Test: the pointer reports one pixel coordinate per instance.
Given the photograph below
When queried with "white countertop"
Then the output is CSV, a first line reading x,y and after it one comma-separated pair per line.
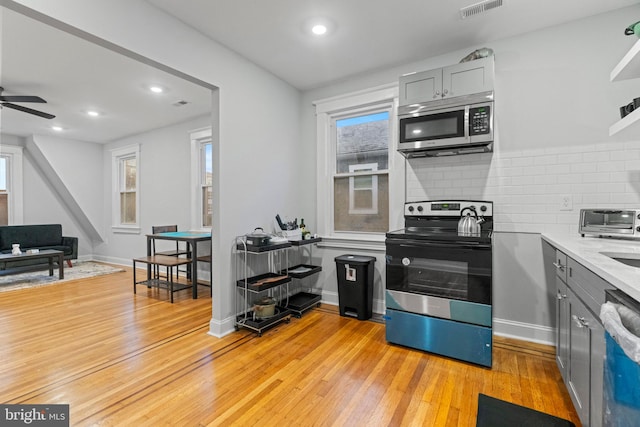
x,y
588,252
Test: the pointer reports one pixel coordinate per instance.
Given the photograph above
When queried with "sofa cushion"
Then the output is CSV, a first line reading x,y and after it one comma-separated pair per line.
x,y
30,236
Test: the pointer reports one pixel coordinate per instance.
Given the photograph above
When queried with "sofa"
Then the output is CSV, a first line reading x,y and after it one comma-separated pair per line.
x,y
39,236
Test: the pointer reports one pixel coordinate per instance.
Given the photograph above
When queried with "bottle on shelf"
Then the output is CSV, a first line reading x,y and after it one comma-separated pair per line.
x,y
305,234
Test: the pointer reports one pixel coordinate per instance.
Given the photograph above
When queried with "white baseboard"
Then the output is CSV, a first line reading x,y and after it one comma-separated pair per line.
x,y
331,298
524,331
501,327
222,328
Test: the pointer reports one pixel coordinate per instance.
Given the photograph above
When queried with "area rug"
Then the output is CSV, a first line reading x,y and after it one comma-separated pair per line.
x,y
494,412
30,279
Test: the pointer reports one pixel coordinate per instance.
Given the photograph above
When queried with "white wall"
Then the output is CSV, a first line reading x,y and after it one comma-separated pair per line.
x,y
165,181
256,144
554,106
42,204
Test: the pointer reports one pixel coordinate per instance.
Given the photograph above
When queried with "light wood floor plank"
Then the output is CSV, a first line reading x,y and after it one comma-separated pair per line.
x,y
121,359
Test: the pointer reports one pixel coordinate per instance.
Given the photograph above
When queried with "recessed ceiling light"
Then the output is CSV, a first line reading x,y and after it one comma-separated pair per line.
x,y
318,26
93,113
156,89
319,29
57,128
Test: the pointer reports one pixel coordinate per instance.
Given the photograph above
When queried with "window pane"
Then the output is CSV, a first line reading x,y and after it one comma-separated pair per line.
x,y
3,174
344,220
363,199
362,182
128,208
362,139
4,209
207,167
129,174
207,212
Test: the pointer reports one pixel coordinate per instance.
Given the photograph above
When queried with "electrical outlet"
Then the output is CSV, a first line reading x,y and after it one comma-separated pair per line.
x,y
566,202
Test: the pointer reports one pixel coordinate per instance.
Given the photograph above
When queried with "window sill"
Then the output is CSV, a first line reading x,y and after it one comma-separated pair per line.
x,y
370,243
122,229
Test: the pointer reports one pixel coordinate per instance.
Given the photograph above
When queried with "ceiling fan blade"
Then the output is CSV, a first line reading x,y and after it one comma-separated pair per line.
x,y
28,110
22,98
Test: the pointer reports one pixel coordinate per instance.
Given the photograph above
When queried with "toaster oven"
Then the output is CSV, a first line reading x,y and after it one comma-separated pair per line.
x,y
610,222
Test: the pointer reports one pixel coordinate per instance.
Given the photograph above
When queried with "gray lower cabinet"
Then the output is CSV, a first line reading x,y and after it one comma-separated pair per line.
x,y
586,362
580,346
562,335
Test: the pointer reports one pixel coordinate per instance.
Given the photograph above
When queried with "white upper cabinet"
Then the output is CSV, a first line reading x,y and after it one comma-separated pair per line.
x,y
461,79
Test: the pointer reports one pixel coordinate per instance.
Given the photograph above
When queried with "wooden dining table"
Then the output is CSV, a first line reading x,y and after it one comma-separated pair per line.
x,y
192,238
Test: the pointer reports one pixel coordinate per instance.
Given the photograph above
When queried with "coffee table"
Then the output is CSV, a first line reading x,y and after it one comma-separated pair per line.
x,y
50,254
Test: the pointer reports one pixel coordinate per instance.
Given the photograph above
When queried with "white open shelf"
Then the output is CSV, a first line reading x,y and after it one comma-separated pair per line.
x,y
627,68
624,123
629,65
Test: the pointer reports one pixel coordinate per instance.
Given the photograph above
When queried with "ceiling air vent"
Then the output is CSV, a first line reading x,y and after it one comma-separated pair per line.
x,y
478,8
180,103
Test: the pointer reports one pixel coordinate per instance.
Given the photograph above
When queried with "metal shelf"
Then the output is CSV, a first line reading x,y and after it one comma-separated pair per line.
x,y
264,281
301,271
301,302
249,321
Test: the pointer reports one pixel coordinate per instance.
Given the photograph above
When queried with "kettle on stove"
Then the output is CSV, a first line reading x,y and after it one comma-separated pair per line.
x,y
469,225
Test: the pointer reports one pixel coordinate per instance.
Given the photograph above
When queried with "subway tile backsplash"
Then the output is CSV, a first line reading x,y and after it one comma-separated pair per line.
x,y
528,187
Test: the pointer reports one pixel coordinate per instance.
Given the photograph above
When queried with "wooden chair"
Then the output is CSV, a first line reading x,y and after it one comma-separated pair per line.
x,y
178,251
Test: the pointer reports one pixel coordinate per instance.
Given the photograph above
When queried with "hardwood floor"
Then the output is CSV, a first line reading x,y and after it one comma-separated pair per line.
x,y
120,359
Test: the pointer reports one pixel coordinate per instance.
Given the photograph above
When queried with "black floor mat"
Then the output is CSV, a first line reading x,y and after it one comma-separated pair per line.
x,y
494,412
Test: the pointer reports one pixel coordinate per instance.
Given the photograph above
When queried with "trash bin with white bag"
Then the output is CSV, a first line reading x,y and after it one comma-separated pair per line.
x,y
620,316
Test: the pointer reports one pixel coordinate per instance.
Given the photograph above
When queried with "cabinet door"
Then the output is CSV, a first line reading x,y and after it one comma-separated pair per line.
x,y
586,362
420,87
598,350
562,328
579,358
468,78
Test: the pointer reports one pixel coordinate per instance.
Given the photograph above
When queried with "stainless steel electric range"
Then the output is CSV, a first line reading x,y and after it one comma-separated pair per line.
x,y
439,281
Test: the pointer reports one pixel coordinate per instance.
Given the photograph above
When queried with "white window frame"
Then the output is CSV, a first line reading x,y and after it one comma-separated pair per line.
x,y
199,138
118,156
369,167
15,199
327,110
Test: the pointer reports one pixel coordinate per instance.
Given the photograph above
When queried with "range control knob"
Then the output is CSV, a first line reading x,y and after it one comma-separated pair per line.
x,y
410,208
483,208
638,228
420,209
638,216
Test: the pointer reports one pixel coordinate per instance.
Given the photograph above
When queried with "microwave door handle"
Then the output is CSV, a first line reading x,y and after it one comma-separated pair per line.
x,y
466,122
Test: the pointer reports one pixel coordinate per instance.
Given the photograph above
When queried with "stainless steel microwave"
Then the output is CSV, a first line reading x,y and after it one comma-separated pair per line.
x,y
454,129
610,222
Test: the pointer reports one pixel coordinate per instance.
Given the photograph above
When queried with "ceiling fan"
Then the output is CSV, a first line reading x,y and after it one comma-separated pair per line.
x,y
7,101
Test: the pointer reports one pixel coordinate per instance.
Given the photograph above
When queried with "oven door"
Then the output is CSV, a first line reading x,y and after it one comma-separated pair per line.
x,y
447,279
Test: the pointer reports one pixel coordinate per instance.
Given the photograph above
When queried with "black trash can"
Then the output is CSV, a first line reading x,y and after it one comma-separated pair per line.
x,y
355,285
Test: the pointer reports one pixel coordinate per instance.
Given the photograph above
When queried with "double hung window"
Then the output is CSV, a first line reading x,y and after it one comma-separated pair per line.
x,y
126,184
202,178
356,135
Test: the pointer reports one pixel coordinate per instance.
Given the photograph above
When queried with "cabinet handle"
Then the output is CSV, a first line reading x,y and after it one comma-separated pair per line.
x,y
437,94
445,92
561,296
558,266
580,322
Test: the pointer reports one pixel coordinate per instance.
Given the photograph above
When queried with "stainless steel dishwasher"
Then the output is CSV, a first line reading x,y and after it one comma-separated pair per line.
x,y
621,319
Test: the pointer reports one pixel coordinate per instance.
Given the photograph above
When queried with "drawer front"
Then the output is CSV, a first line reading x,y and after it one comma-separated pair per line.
x,y
560,264
588,286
